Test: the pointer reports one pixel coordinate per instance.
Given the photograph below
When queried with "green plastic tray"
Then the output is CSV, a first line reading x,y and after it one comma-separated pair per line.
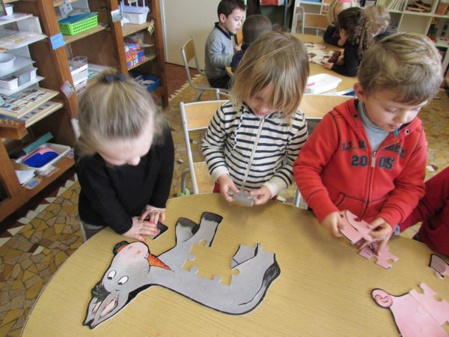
x,y
78,27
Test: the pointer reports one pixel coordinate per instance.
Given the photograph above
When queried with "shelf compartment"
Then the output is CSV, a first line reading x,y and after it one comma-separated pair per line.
x,y
4,20
72,38
130,28
22,103
13,39
8,92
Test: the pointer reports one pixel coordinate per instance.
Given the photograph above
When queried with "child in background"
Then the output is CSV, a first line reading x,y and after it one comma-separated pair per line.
x,y
253,27
332,34
369,155
125,158
356,36
379,18
433,212
219,44
253,140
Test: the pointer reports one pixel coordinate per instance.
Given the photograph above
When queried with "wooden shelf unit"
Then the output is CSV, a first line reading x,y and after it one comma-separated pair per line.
x,y
104,46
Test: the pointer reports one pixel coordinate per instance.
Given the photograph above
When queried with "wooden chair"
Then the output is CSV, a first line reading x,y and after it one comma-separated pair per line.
x,y
307,20
196,116
315,107
188,52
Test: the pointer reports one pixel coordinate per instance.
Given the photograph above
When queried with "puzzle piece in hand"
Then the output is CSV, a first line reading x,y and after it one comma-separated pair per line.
x,y
415,314
440,266
382,260
354,230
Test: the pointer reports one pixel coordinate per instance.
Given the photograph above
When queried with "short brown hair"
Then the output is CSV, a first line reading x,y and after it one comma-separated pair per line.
x,y
408,63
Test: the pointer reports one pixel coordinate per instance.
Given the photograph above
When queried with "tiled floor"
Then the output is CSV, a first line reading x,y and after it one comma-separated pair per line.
x,y
42,238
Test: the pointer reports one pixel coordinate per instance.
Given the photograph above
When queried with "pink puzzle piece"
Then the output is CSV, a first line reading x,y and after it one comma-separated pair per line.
x,y
416,314
382,260
439,265
354,230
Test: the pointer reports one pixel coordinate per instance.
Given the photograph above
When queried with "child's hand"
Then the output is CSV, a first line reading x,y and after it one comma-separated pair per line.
x,y
380,231
333,222
263,195
153,214
226,185
237,48
140,228
341,59
328,65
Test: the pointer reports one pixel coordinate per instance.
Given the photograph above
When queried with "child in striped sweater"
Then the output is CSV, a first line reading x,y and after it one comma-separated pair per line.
x,y
253,140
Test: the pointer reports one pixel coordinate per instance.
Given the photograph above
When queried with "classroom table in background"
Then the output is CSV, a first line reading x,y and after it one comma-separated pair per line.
x,y
347,83
323,289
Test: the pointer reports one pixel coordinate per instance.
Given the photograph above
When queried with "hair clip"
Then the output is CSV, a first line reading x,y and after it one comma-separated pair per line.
x,y
116,77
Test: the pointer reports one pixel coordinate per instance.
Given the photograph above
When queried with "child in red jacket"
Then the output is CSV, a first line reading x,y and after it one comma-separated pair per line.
x,y
368,155
433,211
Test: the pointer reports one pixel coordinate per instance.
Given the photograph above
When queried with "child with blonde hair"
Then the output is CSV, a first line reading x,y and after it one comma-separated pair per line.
x,y
253,140
356,37
379,17
368,155
332,34
125,158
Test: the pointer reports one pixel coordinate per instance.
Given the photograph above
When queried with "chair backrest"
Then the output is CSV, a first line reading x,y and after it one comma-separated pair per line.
x,y
197,116
312,20
188,52
239,37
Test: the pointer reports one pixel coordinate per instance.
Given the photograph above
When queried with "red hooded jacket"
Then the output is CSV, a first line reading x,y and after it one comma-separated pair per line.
x,y
337,170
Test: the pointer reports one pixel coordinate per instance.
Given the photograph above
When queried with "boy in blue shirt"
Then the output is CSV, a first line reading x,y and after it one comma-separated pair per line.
x,y
219,44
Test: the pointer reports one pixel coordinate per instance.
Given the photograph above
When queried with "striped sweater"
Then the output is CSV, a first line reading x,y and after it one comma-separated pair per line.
x,y
254,151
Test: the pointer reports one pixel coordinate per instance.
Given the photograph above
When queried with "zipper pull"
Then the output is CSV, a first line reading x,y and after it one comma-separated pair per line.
x,y
373,159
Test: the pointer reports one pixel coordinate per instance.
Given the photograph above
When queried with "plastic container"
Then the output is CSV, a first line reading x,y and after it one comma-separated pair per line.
x,y
319,83
148,81
78,61
6,61
43,164
9,9
72,28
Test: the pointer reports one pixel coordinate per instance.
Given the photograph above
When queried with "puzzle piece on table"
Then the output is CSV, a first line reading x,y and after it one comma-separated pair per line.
x,y
440,266
369,251
415,314
354,230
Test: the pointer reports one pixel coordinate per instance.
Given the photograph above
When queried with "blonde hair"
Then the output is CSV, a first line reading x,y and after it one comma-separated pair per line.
x,y
379,16
336,7
407,63
114,107
274,58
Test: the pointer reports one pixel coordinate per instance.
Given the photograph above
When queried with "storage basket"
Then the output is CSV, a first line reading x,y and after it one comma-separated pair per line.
x,y
78,27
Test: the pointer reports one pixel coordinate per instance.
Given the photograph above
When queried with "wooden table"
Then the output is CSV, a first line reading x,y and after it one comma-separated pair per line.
x,y
323,288
347,83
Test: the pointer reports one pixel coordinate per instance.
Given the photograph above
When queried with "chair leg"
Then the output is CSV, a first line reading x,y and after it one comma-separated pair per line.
x,y
198,96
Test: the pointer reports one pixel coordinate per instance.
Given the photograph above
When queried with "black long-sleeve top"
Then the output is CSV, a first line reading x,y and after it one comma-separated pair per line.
x,y
351,61
112,195
332,35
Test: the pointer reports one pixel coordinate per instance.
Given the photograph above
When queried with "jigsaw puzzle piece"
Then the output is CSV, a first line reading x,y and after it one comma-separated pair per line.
x,y
439,310
354,230
213,291
369,251
254,277
439,265
243,254
411,316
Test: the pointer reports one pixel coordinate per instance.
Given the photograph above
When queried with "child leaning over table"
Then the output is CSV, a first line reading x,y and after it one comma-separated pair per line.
x,y
433,212
332,34
253,140
368,155
219,44
356,37
254,26
125,158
